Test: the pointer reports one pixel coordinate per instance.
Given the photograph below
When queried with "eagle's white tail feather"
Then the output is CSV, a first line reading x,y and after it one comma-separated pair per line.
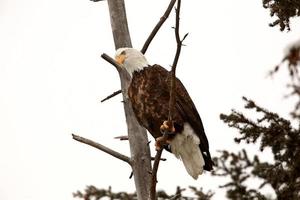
x,y
185,146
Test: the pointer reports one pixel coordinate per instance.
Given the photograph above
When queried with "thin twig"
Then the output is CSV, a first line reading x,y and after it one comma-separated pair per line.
x,y
131,175
174,65
122,137
161,159
171,100
111,61
111,96
102,148
157,27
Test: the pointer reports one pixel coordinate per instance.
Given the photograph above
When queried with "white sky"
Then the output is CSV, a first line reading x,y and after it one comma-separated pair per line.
x,y
52,79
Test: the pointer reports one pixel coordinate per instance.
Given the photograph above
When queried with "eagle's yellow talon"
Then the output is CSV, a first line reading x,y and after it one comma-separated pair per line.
x,y
165,127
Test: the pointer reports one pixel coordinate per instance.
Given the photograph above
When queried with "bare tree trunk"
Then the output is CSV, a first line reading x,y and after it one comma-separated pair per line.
x,y
140,152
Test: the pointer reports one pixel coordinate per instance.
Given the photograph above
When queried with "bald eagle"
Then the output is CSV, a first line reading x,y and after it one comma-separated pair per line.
x,y
149,94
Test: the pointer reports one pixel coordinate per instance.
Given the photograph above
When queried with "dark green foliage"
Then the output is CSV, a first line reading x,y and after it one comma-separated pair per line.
x,y
295,92
267,128
283,10
201,195
273,132
91,193
282,171
236,167
293,62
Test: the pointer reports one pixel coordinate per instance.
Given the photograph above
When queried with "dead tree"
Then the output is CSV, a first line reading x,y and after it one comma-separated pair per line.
x,y
140,152
140,159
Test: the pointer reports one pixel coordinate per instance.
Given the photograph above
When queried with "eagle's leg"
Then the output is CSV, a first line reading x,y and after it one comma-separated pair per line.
x,y
167,129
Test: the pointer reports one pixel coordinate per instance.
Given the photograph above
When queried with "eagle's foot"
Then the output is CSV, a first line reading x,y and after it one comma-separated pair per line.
x,y
168,130
167,127
161,141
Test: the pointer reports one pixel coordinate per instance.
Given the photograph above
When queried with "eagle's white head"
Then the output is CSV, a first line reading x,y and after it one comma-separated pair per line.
x,y
131,59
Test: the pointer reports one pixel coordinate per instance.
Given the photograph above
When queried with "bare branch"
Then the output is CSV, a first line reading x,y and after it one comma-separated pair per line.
x,y
171,101
111,96
161,159
154,174
157,27
119,24
131,175
176,58
111,61
122,137
102,148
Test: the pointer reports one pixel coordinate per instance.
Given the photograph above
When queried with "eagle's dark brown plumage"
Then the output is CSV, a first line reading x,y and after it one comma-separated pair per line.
x,y
149,93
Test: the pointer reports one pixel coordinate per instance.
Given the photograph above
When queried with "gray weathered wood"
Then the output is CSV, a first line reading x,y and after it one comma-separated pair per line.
x,y
119,24
102,148
140,152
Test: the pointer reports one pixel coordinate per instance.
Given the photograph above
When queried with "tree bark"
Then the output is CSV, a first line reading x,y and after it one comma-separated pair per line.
x,y
140,152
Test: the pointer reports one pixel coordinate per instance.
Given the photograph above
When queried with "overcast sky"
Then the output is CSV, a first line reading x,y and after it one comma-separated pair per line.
x,y
52,80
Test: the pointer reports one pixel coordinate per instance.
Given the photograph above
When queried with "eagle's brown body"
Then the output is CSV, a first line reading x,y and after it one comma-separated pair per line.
x,y
149,95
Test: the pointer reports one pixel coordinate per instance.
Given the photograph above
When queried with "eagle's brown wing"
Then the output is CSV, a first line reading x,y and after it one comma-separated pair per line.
x,y
185,107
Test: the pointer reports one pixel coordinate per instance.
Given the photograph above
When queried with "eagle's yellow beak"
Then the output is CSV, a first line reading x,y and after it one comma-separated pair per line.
x,y
120,59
